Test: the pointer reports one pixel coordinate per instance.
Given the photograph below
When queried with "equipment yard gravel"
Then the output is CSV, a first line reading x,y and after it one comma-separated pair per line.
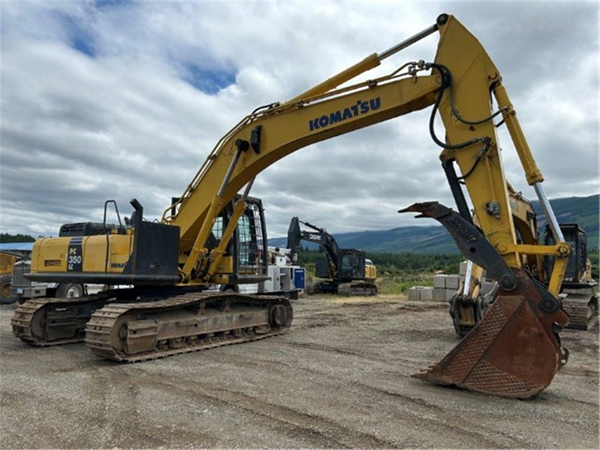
x,y
339,379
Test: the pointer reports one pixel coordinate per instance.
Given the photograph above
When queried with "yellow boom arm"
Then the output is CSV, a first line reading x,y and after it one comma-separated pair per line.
x,y
515,350
322,112
269,135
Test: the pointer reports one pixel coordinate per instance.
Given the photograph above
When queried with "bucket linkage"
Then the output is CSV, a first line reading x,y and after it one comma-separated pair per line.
x,y
515,350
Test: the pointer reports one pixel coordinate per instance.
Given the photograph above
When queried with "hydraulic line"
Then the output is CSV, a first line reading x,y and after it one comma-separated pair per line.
x,y
447,83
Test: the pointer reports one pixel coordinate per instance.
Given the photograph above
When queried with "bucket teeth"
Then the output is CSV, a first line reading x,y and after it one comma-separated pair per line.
x,y
422,375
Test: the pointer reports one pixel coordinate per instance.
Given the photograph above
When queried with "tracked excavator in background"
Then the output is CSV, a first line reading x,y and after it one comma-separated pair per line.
x,y
7,265
346,270
577,291
14,264
515,350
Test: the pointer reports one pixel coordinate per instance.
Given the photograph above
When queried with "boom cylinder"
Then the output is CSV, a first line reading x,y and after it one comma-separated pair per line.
x,y
408,42
468,277
548,212
370,62
532,172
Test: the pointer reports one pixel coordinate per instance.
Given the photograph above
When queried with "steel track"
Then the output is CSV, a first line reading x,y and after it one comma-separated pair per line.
x,y
101,332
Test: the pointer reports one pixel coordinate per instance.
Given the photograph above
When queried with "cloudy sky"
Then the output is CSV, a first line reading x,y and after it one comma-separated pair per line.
x,y
121,99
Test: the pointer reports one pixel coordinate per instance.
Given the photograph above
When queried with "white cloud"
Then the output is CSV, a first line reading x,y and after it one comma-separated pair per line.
x,y
96,103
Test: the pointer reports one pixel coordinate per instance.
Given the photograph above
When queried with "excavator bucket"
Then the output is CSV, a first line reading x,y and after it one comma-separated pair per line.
x,y
510,353
515,350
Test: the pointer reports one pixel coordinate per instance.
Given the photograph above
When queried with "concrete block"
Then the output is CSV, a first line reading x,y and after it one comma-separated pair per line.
x,y
427,294
449,293
414,294
439,281
452,282
439,295
419,293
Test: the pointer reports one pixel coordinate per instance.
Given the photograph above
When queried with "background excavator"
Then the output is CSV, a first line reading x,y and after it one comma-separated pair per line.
x,y
515,350
347,270
7,265
578,289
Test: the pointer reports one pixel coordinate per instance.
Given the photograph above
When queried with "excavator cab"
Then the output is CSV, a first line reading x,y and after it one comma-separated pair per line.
x,y
245,258
577,267
352,264
578,290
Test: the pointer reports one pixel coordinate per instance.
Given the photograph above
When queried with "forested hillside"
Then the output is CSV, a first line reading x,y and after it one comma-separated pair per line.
x,y
436,240
583,211
6,238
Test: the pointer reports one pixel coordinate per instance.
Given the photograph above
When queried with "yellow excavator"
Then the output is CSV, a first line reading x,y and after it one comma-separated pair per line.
x,y
7,265
515,350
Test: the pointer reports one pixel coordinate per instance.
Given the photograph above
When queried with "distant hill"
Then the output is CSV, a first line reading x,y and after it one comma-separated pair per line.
x,y
583,211
435,239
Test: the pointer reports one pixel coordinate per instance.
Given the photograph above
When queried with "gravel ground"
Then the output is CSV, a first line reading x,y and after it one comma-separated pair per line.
x,y
339,379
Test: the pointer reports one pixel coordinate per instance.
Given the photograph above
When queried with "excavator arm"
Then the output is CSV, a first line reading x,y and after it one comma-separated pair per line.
x,y
578,300
469,303
317,236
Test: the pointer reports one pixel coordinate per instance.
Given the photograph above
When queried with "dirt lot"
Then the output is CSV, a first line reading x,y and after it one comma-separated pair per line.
x,y
339,379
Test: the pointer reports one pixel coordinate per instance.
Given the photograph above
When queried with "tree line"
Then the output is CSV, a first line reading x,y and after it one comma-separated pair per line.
x,y
396,263
411,263
7,238
390,263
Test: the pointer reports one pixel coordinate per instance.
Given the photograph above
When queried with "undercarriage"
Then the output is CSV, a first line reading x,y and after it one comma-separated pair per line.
x,y
118,328
350,289
582,308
